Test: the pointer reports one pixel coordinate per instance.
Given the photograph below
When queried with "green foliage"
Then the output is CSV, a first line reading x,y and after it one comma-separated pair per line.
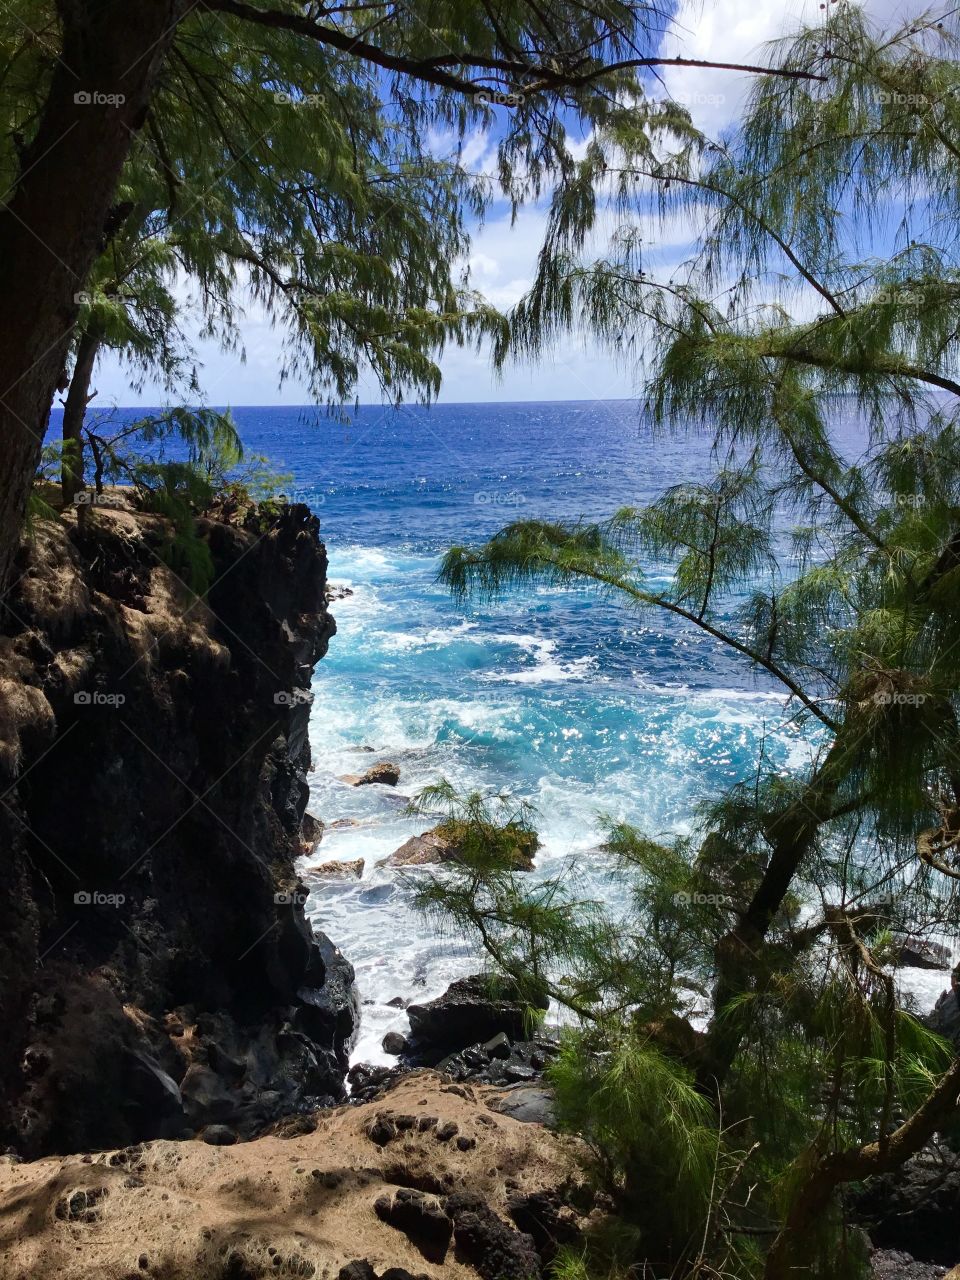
x,y
629,1101
180,488
177,491
784,319
318,159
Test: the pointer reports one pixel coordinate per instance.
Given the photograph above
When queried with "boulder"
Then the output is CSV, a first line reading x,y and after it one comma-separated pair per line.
x,y
394,1043
444,843
219,1135
911,951
338,870
206,1099
913,1211
420,1218
329,1013
472,1009
385,773
496,1251
311,833
530,1104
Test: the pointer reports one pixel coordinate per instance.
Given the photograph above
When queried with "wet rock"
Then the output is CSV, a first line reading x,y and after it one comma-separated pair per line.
x,y
498,1047
444,843
384,773
911,951
329,1012
394,1043
516,1073
472,1009
338,870
311,833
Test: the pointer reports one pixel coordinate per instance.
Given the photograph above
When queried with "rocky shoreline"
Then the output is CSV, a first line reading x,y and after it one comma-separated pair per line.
x,y
172,1013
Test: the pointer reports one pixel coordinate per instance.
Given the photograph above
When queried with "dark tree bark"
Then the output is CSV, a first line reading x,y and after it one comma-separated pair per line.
x,y
739,956
787,1258
74,413
52,227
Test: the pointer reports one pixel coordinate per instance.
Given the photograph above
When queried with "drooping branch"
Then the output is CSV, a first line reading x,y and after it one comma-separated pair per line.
x,y
538,75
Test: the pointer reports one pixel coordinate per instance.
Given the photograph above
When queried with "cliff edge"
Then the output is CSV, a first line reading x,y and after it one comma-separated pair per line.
x,y
157,974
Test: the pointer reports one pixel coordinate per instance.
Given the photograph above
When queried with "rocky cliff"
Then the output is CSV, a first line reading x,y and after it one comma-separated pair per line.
x,y
157,974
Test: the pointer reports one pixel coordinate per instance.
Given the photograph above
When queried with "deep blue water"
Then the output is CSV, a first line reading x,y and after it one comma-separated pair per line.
x,y
570,701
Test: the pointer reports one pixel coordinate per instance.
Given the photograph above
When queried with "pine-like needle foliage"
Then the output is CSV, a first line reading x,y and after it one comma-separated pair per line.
x,y
821,285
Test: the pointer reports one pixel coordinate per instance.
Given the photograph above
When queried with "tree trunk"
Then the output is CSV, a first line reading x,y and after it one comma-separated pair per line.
x,y
787,1258
52,227
74,413
739,954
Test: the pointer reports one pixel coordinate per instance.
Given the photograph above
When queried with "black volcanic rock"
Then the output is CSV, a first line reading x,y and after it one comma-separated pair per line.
x,y
471,1010
153,751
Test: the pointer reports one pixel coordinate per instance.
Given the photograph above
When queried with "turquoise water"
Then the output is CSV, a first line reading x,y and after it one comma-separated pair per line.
x,y
569,701
566,700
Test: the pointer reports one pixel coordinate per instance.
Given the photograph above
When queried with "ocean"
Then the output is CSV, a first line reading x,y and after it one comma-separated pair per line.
x,y
570,701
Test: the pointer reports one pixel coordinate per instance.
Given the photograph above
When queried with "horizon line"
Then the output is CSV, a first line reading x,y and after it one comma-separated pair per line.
x,y
372,404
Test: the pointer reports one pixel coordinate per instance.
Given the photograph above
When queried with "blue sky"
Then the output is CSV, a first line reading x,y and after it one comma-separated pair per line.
x,y
503,256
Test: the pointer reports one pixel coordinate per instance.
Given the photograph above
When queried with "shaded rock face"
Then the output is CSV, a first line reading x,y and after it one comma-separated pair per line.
x,y
157,973
914,1211
471,1010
